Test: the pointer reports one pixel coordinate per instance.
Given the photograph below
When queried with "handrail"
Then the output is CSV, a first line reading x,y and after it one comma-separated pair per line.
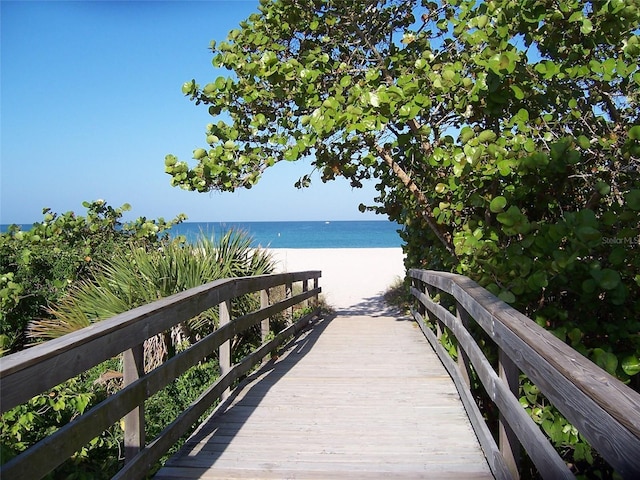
x,y
604,410
30,372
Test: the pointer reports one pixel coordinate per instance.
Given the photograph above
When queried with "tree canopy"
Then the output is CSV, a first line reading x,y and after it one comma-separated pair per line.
x,y
504,137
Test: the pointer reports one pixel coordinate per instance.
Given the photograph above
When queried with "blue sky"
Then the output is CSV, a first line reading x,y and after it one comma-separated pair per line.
x,y
91,104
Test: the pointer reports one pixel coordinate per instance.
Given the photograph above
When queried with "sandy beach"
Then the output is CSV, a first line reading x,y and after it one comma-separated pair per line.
x,y
352,278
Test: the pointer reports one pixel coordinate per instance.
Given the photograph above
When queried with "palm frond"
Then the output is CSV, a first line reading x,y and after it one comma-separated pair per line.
x,y
136,276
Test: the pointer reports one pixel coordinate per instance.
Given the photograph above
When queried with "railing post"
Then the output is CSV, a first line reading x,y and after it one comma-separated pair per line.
x,y
464,364
315,286
264,325
305,288
224,351
288,293
132,370
429,290
421,287
509,443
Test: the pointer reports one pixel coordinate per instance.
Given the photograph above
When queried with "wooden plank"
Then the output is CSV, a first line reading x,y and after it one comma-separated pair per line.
x,y
619,400
134,425
139,467
224,350
602,408
495,459
343,401
52,451
319,474
29,372
542,453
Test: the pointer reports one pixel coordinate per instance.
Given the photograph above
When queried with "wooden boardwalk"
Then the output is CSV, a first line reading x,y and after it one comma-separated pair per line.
x,y
354,397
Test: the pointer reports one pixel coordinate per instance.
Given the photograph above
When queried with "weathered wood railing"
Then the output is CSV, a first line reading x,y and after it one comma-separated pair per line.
x,y
604,410
33,371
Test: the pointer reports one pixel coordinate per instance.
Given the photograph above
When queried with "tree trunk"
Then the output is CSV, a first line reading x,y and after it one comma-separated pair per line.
x,y
427,212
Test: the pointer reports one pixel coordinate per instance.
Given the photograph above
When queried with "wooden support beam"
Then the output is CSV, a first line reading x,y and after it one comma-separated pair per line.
x,y
134,427
224,351
507,439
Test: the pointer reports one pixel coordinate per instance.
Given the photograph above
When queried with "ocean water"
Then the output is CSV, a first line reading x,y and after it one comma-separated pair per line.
x,y
301,234
339,234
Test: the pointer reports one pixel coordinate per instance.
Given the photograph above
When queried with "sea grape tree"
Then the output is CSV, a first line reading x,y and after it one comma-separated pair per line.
x,y
504,136
38,266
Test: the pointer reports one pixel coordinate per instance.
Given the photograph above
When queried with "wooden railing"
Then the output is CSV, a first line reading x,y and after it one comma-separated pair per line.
x,y
33,371
604,410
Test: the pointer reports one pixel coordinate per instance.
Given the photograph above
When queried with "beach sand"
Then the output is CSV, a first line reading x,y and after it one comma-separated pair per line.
x,y
353,279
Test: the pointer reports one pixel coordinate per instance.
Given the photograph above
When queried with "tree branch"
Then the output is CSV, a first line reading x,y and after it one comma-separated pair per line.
x,y
427,212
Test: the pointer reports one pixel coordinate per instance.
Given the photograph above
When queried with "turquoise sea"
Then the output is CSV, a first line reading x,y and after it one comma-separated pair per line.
x,y
301,234
339,234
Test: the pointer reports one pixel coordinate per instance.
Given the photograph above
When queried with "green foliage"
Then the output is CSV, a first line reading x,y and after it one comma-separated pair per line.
x,y
38,266
175,398
535,196
564,436
129,269
504,136
44,414
135,276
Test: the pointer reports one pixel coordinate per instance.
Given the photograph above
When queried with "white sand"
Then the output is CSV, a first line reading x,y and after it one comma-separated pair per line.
x,y
352,278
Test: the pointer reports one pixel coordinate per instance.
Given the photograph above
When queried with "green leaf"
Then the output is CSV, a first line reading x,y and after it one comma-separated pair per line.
x,y
291,154
517,91
587,234
504,167
575,335
541,68
345,81
576,17
529,146
587,27
487,136
632,199
631,365
507,297
606,360
220,83
406,111
188,87
420,64
617,256
448,74
538,280
606,278
199,153
506,219
498,204
506,62
523,115
371,98
603,188
634,132
466,134
584,142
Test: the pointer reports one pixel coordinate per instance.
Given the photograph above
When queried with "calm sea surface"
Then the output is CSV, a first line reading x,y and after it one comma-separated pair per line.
x,y
340,234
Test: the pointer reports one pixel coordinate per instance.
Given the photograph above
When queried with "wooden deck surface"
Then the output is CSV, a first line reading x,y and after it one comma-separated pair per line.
x,y
355,397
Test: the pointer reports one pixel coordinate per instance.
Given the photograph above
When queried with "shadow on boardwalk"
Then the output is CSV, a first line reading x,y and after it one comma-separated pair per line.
x,y
360,394
372,307
253,389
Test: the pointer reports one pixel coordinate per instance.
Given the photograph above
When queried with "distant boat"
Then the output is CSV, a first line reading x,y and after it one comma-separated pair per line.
x,y
327,222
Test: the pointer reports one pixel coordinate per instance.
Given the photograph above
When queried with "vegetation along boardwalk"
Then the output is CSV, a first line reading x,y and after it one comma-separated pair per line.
x,y
354,397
